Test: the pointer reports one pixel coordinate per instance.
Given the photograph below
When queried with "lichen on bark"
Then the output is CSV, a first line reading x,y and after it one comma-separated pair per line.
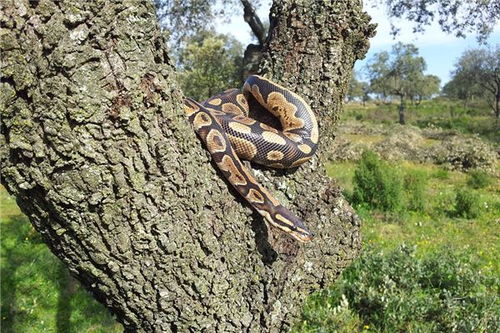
x,y
97,152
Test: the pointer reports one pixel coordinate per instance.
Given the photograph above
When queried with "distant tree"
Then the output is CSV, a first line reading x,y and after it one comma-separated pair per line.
x,y
210,63
377,71
454,16
397,74
425,87
183,19
462,88
358,90
477,73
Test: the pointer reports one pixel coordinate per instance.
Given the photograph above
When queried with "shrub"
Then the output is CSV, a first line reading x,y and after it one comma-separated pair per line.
x,y
467,204
319,313
358,116
415,184
441,174
399,292
376,184
464,154
478,179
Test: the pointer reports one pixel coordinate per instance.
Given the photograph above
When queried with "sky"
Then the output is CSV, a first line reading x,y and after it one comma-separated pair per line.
x,y
440,50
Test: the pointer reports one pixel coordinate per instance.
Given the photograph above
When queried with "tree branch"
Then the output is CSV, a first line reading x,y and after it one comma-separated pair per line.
x,y
253,20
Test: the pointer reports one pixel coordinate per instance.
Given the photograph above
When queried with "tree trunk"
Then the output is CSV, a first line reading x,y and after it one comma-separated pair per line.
x,y
497,104
401,110
98,153
312,48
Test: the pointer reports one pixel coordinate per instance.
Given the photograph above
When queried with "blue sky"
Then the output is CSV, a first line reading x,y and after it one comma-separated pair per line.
x,y
440,50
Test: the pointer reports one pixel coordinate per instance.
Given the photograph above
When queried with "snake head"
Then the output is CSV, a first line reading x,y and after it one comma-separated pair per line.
x,y
301,233
284,220
303,236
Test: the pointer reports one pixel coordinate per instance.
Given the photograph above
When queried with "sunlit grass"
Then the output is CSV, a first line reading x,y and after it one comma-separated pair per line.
x,y
434,227
38,295
453,115
364,139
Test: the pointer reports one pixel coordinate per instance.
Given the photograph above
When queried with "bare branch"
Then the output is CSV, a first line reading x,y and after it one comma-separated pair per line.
x,y
253,20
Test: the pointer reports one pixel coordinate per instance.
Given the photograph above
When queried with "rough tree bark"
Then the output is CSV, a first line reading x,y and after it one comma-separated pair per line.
x,y
96,149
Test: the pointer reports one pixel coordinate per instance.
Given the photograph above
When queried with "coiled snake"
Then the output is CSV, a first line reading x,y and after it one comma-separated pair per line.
x,y
223,124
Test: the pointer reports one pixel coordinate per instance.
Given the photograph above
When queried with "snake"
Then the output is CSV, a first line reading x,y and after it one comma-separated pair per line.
x,y
284,136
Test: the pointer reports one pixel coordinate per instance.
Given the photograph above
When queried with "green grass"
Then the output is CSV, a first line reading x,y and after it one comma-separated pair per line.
x,y
421,271
431,266
398,291
38,295
476,118
434,227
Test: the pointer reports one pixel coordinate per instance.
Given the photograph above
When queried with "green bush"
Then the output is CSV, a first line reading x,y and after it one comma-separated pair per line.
x,y
467,204
376,184
441,174
478,179
320,316
415,184
399,292
358,116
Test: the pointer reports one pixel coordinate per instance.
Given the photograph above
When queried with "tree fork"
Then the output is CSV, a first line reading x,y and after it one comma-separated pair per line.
x,y
96,150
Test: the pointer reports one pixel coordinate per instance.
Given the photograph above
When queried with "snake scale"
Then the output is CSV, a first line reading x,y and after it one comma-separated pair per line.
x,y
223,124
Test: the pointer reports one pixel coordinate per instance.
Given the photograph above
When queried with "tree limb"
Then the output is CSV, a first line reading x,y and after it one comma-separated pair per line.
x,y
253,20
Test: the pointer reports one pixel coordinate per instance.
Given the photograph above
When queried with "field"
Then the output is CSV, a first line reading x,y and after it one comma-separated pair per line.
x,y
38,294
430,259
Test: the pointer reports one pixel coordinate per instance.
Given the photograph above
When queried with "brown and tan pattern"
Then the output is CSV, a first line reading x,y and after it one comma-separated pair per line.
x,y
201,119
235,176
222,122
239,127
231,108
245,149
275,155
215,142
266,127
242,101
305,148
255,196
245,120
274,138
215,101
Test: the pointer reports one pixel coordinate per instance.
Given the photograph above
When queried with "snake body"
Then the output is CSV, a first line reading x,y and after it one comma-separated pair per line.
x,y
224,125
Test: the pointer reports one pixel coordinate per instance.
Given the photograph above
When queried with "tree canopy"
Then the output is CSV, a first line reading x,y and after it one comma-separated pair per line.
x,y
477,73
453,16
395,73
401,73
183,18
208,64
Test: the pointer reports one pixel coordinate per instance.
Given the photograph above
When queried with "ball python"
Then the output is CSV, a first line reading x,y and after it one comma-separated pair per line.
x,y
223,124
